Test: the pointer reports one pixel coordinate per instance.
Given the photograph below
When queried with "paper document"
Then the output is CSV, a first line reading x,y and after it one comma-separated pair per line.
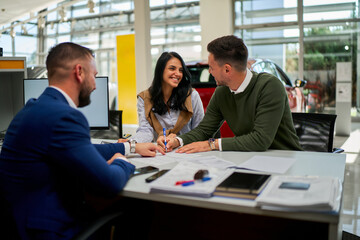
x,y
212,161
323,194
159,159
156,161
268,164
185,171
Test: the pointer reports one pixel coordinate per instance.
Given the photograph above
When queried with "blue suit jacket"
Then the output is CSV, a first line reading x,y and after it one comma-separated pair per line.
x,y
46,162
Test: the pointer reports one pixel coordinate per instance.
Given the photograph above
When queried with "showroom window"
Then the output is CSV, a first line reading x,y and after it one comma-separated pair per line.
x,y
272,31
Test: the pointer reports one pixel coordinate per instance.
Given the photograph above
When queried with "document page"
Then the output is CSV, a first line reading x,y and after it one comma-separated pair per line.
x,y
322,194
268,164
184,172
159,159
212,161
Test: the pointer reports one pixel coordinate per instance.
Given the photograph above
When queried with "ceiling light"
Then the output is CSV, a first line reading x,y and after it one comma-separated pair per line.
x,y
12,32
91,6
173,9
73,23
41,22
62,14
24,30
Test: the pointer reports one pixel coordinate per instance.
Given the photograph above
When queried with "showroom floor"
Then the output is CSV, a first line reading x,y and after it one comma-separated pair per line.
x,y
350,216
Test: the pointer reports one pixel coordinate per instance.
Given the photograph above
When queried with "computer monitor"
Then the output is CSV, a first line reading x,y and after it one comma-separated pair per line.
x,y
97,112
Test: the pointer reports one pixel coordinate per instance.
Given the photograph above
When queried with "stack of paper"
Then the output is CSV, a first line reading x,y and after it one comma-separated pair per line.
x,y
184,171
321,194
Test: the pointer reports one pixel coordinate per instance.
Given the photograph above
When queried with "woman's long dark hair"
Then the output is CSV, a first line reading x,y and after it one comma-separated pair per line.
x,y
178,95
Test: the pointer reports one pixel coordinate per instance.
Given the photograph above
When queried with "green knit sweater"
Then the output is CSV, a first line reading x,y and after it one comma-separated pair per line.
x,y
259,117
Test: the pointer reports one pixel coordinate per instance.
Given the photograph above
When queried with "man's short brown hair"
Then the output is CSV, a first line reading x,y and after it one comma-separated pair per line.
x,y
60,55
229,49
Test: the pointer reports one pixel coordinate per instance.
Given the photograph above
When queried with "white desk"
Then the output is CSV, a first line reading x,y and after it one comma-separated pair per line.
x,y
308,163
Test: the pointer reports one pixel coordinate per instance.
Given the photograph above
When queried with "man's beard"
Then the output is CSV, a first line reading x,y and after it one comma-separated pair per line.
x,y
84,97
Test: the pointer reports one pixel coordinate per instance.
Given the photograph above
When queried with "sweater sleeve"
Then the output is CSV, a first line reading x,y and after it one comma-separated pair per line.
x,y
269,112
209,125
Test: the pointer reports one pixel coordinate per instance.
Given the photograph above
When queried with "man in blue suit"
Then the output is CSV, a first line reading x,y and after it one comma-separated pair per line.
x,y
47,160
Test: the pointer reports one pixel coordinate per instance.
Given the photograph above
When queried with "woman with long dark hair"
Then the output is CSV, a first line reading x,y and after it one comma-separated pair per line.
x,y
169,103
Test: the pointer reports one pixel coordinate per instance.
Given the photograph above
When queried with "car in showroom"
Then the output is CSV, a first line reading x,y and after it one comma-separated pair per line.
x,y
205,84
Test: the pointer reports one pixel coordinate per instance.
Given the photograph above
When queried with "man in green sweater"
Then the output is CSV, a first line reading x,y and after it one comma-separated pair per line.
x,y
255,106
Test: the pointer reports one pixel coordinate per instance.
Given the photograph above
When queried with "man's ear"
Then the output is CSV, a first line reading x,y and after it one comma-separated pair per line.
x,y
227,68
79,72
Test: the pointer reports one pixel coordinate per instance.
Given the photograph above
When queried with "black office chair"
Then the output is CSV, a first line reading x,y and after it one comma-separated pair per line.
x,y
315,131
103,221
7,223
115,118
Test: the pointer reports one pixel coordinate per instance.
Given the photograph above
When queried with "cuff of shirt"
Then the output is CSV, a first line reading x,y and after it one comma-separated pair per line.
x,y
127,148
180,141
123,158
219,142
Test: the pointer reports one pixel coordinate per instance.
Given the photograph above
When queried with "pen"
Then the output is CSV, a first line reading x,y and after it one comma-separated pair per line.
x,y
182,182
164,131
191,182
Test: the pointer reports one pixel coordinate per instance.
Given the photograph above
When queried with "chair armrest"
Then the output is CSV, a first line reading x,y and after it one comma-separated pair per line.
x,y
97,224
337,150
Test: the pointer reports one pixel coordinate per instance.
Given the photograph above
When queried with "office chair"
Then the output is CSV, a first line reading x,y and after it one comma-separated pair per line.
x,y
115,119
315,131
7,223
105,220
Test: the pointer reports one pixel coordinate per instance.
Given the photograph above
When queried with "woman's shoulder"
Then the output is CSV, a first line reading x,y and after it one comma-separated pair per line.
x,y
145,94
194,92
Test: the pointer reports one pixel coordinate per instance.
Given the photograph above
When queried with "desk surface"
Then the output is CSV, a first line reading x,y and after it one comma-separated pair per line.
x,y
307,164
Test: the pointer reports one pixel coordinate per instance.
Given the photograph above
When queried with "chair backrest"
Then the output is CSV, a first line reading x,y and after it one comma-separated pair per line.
x,y
315,131
7,222
115,119
115,131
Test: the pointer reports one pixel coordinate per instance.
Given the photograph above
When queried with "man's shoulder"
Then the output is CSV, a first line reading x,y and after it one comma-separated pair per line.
x,y
265,79
222,89
263,75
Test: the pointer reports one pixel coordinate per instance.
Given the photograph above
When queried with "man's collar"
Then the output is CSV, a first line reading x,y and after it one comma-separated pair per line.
x,y
245,83
68,99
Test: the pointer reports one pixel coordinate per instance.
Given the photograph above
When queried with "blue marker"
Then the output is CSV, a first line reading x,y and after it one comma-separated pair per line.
x,y
164,132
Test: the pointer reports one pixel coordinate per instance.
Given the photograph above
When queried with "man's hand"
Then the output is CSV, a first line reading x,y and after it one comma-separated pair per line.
x,y
194,147
122,140
148,149
116,155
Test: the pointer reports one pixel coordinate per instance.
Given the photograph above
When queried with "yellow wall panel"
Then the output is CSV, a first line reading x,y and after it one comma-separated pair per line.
x,y
125,50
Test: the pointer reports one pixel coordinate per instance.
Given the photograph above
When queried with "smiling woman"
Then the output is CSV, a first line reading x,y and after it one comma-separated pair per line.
x,y
169,103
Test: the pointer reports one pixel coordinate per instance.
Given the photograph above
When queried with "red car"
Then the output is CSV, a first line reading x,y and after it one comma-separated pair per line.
x,y
314,92
205,84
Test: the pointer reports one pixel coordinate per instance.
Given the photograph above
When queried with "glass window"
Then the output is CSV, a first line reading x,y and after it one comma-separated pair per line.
x,y
271,31
24,47
329,10
262,11
5,43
